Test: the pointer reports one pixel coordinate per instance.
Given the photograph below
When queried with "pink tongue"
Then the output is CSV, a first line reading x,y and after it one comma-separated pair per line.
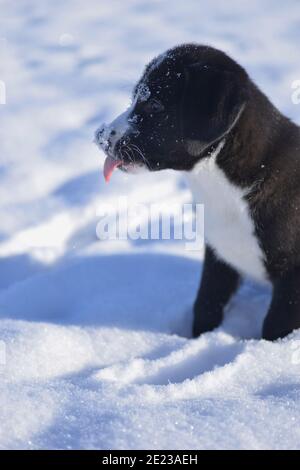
x,y
109,165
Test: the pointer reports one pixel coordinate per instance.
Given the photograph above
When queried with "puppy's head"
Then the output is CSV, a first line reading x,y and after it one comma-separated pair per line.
x,y
188,99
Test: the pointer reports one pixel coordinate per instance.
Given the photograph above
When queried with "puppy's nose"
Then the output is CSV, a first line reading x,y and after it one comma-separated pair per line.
x,y
99,135
105,137
111,137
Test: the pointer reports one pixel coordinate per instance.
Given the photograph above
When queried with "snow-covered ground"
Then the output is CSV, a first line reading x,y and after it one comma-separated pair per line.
x,y
94,348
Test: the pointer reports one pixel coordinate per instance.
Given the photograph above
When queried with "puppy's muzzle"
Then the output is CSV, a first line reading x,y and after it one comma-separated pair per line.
x,y
104,137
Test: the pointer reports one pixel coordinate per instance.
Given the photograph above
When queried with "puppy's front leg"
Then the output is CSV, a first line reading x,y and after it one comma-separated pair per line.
x,y
284,313
219,281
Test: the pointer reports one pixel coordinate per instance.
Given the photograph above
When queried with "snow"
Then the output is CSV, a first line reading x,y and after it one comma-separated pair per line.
x,y
143,92
95,349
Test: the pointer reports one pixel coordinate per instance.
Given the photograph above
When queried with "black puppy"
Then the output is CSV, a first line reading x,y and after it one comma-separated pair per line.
x,y
196,110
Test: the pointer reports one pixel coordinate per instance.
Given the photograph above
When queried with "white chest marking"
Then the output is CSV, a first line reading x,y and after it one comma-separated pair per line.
x,y
228,226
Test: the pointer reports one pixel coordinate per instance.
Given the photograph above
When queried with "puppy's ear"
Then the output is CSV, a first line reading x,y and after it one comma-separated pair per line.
x,y
212,102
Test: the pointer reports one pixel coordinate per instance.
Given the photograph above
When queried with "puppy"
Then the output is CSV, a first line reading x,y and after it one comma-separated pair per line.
x,y
197,111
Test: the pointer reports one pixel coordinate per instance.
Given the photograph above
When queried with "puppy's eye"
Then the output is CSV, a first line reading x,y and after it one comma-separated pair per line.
x,y
153,106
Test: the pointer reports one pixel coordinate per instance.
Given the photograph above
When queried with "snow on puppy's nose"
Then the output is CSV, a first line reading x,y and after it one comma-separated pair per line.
x,y
102,137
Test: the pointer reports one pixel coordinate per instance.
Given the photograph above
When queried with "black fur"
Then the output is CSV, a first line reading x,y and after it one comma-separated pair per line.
x,y
219,281
201,95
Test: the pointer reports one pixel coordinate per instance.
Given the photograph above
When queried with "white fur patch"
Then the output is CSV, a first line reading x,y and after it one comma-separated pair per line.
x,y
228,226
